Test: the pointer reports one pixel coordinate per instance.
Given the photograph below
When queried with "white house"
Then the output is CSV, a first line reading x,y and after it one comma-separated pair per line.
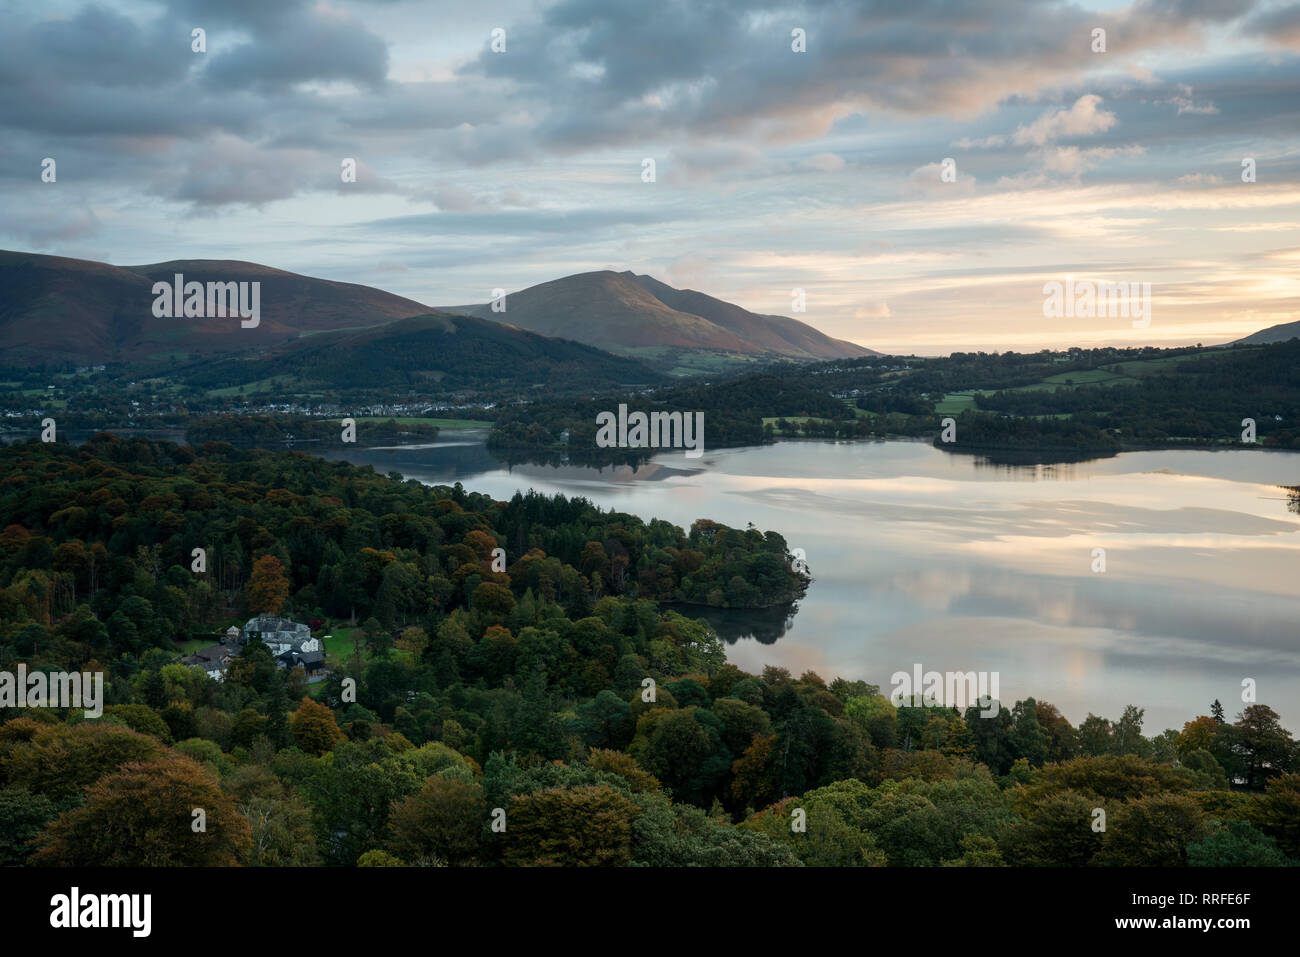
x,y
290,643
281,635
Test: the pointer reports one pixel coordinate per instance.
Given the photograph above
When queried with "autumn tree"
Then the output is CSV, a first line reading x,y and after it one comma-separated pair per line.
x,y
315,728
575,827
267,589
60,761
1199,733
755,776
625,766
413,641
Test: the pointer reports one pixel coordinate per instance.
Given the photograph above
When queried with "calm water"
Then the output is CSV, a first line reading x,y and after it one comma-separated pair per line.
x,y
921,556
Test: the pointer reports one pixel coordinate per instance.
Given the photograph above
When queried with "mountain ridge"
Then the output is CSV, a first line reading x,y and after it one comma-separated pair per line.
x,y
55,309
623,312
61,309
1282,332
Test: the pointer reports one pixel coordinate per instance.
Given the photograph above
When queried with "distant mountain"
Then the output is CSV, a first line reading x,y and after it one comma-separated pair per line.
x,y
632,315
426,353
54,309
58,309
1278,333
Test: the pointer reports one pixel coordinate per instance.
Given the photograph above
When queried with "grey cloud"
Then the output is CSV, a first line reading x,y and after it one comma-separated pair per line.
x,y
580,74
95,46
518,221
312,46
41,228
709,69
1280,25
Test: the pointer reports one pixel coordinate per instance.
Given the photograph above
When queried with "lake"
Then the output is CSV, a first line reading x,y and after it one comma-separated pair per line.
x,y
925,557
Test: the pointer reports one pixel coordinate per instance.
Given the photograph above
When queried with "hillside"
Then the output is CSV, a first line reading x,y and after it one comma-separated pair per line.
x,y
1282,332
427,353
634,315
773,334
54,309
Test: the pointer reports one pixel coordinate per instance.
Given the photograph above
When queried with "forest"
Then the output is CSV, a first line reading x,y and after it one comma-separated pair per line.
x,y
512,692
1093,401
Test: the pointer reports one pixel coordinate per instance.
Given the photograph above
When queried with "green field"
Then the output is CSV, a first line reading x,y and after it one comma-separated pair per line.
x,y
1119,373
772,420
249,388
955,402
339,644
686,363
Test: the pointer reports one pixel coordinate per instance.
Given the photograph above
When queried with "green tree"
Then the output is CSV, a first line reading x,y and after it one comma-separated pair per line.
x,y
584,826
1154,831
441,823
1237,845
1028,738
142,816
684,750
22,816
1058,832
1263,746
1276,812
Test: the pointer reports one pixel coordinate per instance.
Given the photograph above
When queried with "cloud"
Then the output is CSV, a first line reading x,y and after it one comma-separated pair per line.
x,y
454,199
826,162
1081,119
517,222
1185,103
709,161
1073,160
309,44
731,70
43,228
1280,25
874,310
226,170
928,180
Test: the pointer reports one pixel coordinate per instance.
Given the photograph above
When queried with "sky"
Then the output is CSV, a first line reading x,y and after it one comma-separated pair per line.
x,y
821,170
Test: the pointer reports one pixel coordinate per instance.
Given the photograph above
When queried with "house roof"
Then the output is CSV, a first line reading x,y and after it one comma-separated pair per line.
x,y
271,623
307,658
